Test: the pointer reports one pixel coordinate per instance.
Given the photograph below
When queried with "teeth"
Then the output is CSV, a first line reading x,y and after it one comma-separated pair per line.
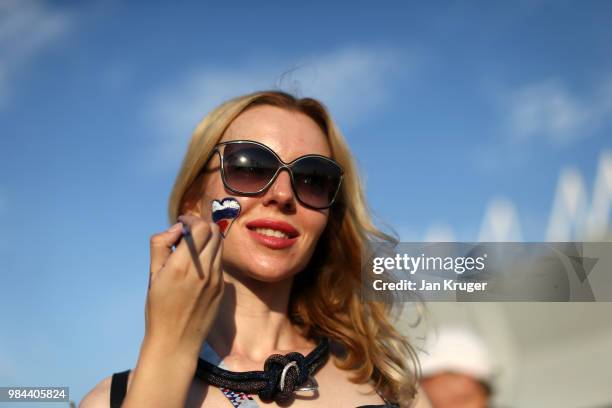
x,y
271,233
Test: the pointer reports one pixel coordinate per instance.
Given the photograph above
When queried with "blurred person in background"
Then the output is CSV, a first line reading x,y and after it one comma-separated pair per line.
x,y
456,369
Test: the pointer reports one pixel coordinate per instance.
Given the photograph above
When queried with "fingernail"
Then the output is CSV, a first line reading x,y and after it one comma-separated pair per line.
x,y
175,227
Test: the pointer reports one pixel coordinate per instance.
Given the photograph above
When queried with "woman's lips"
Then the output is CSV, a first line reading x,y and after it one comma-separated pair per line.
x,y
274,234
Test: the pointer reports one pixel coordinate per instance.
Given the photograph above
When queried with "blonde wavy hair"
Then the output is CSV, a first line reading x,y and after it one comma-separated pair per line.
x,y
325,299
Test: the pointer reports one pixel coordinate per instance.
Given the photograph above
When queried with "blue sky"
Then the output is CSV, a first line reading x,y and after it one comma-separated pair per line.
x,y
448,107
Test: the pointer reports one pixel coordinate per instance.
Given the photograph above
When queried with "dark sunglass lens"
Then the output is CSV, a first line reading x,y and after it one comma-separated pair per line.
x,y
248,167
316,181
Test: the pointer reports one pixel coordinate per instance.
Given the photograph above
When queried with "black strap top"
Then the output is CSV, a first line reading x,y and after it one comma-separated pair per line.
x,y
119,389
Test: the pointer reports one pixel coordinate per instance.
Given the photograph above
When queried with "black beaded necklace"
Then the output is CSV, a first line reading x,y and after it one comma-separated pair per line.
x,y
282,374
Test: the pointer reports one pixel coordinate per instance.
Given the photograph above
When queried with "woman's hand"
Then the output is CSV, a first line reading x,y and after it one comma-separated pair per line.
x,y
185,288
185,285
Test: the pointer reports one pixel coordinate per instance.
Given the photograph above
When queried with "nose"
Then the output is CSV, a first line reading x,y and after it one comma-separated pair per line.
x,y
281,193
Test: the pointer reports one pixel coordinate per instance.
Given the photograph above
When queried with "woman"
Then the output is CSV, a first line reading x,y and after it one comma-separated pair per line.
x,y
283,278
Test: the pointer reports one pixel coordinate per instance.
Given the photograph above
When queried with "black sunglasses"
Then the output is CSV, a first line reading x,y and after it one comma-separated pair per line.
x,y
250,168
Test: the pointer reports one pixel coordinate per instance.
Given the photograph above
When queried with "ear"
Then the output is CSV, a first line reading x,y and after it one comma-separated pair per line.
x,y
196,209
192,208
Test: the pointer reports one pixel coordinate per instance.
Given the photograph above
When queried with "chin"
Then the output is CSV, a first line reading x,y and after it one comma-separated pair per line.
x,y
264,269
271,272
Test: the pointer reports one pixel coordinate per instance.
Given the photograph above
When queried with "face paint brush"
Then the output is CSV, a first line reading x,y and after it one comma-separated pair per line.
x,y
192,249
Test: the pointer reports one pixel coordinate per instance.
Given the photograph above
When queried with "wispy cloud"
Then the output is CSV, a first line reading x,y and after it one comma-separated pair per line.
x,y
501,222
439,232
549,109
26,28
353,82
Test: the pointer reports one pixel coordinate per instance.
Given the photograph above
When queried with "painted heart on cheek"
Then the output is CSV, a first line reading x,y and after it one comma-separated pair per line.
x,y
224,213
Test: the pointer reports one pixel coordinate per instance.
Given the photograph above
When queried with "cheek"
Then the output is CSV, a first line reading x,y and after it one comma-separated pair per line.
x,y
237,232
215,190
315,224
215,187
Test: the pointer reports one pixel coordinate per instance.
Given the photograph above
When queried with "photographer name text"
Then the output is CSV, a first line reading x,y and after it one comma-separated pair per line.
x,y
426,286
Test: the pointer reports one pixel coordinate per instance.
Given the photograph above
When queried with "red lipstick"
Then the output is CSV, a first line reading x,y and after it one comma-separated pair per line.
x,y
273,241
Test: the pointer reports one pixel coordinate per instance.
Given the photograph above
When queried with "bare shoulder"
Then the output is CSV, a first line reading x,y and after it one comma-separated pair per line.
x,y
99,396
